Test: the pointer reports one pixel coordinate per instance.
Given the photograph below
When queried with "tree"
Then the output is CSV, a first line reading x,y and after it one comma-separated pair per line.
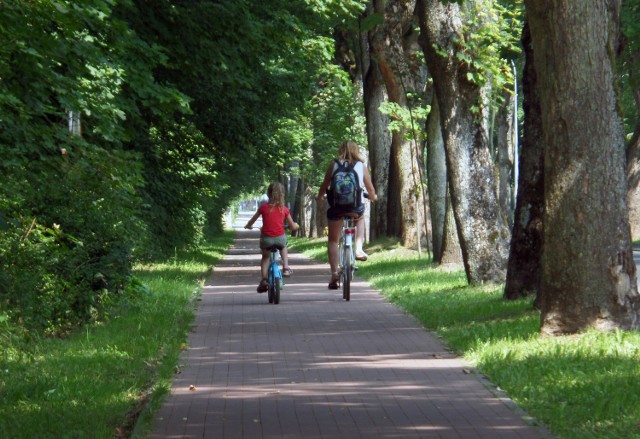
x,y
523,270
588,271
394,48
629,84
482,229
505,145
446,247
377,123
68,204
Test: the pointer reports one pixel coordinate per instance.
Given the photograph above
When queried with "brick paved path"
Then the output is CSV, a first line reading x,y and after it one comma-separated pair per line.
x,y
315,366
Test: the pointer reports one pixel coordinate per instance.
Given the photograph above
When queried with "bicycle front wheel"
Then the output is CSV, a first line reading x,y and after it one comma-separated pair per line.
x,y
346,273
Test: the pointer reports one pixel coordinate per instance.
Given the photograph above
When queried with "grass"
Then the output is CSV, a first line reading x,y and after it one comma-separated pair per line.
x,y
106,380
581,386
102,379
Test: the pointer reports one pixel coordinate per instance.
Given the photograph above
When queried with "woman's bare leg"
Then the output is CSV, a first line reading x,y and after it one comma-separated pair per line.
x,y
335,227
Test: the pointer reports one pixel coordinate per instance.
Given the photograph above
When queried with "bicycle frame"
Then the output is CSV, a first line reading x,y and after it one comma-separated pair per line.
x,y
275,277
347,258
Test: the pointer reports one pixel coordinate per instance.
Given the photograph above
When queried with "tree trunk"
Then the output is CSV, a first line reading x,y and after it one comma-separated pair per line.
x,y
405,196
451,254
292,190
482,229
378,138
437,179
504,146
446,247
633,175
588,271
523,270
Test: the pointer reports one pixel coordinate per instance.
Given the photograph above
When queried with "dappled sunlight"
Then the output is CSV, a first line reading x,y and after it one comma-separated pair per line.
x,y
316,365
238,269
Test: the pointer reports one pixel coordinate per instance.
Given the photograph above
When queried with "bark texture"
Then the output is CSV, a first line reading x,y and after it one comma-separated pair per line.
x,y
633,175
505,149
392,51
378,135
524,270
379,140
482,230
451,253
436,179
588,271
446,247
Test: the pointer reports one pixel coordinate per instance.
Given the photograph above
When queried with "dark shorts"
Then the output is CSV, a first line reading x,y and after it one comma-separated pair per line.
x,y
269,241
335,213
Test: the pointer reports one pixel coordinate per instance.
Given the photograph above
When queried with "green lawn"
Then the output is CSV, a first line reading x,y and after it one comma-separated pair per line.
x,y
582,386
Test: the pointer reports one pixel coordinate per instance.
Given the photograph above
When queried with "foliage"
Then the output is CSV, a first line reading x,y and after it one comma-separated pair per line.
x,y
184,105
68,203
336,116
179,180
405,120
489,38
58,265
248,68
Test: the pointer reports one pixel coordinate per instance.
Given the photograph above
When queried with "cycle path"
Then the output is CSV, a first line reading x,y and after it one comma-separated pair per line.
x,y
315,366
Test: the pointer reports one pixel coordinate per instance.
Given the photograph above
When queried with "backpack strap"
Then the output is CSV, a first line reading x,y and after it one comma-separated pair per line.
x,y
346,165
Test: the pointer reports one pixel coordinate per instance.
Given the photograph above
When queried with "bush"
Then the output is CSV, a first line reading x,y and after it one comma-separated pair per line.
x,y
71,256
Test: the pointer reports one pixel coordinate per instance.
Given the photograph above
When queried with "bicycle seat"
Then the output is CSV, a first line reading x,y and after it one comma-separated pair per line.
x,y
275,248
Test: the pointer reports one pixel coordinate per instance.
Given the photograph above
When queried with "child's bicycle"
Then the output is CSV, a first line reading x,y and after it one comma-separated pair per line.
x,y
276,280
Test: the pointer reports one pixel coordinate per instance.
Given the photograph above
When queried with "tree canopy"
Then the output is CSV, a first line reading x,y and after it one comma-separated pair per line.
x,y
183,106
127,127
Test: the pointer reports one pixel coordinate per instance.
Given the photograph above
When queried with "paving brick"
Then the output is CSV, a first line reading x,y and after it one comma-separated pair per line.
x,y
315,366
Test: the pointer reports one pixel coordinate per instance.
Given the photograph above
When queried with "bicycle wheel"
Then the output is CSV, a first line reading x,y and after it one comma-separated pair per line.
x,y
346,273
272,289
276,291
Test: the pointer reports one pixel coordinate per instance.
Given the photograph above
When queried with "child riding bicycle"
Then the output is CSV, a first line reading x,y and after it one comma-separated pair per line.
x,y
274,214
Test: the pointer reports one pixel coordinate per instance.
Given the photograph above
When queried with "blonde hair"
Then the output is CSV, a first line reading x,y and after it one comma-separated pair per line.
x,y
275,192
349,151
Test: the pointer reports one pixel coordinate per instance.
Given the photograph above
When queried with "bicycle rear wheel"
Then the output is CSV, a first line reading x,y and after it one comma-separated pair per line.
x,y
272,290
276,291
346,273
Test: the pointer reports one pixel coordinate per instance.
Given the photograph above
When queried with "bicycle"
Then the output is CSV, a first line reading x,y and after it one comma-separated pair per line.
x,y
276,280
347,264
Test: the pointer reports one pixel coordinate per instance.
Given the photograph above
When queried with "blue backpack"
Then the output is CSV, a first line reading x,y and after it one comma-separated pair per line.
x,y
345,191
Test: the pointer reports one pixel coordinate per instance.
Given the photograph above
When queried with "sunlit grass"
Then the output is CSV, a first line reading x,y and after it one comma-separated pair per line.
x,y
94,383
583,386
315,248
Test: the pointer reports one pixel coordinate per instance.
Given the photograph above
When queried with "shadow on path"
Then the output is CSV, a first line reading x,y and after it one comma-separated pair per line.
x,y
315,366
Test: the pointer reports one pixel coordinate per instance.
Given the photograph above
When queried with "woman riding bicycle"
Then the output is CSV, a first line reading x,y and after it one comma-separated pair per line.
x,y
348,153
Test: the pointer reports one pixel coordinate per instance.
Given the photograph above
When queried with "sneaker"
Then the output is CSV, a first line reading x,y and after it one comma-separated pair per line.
x,y
263,287
361,256
287,272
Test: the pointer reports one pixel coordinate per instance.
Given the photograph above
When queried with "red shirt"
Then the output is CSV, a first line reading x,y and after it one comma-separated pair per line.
x,y
273,219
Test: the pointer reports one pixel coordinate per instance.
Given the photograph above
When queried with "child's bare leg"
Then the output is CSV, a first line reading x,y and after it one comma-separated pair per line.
x,y
284,254
264,263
